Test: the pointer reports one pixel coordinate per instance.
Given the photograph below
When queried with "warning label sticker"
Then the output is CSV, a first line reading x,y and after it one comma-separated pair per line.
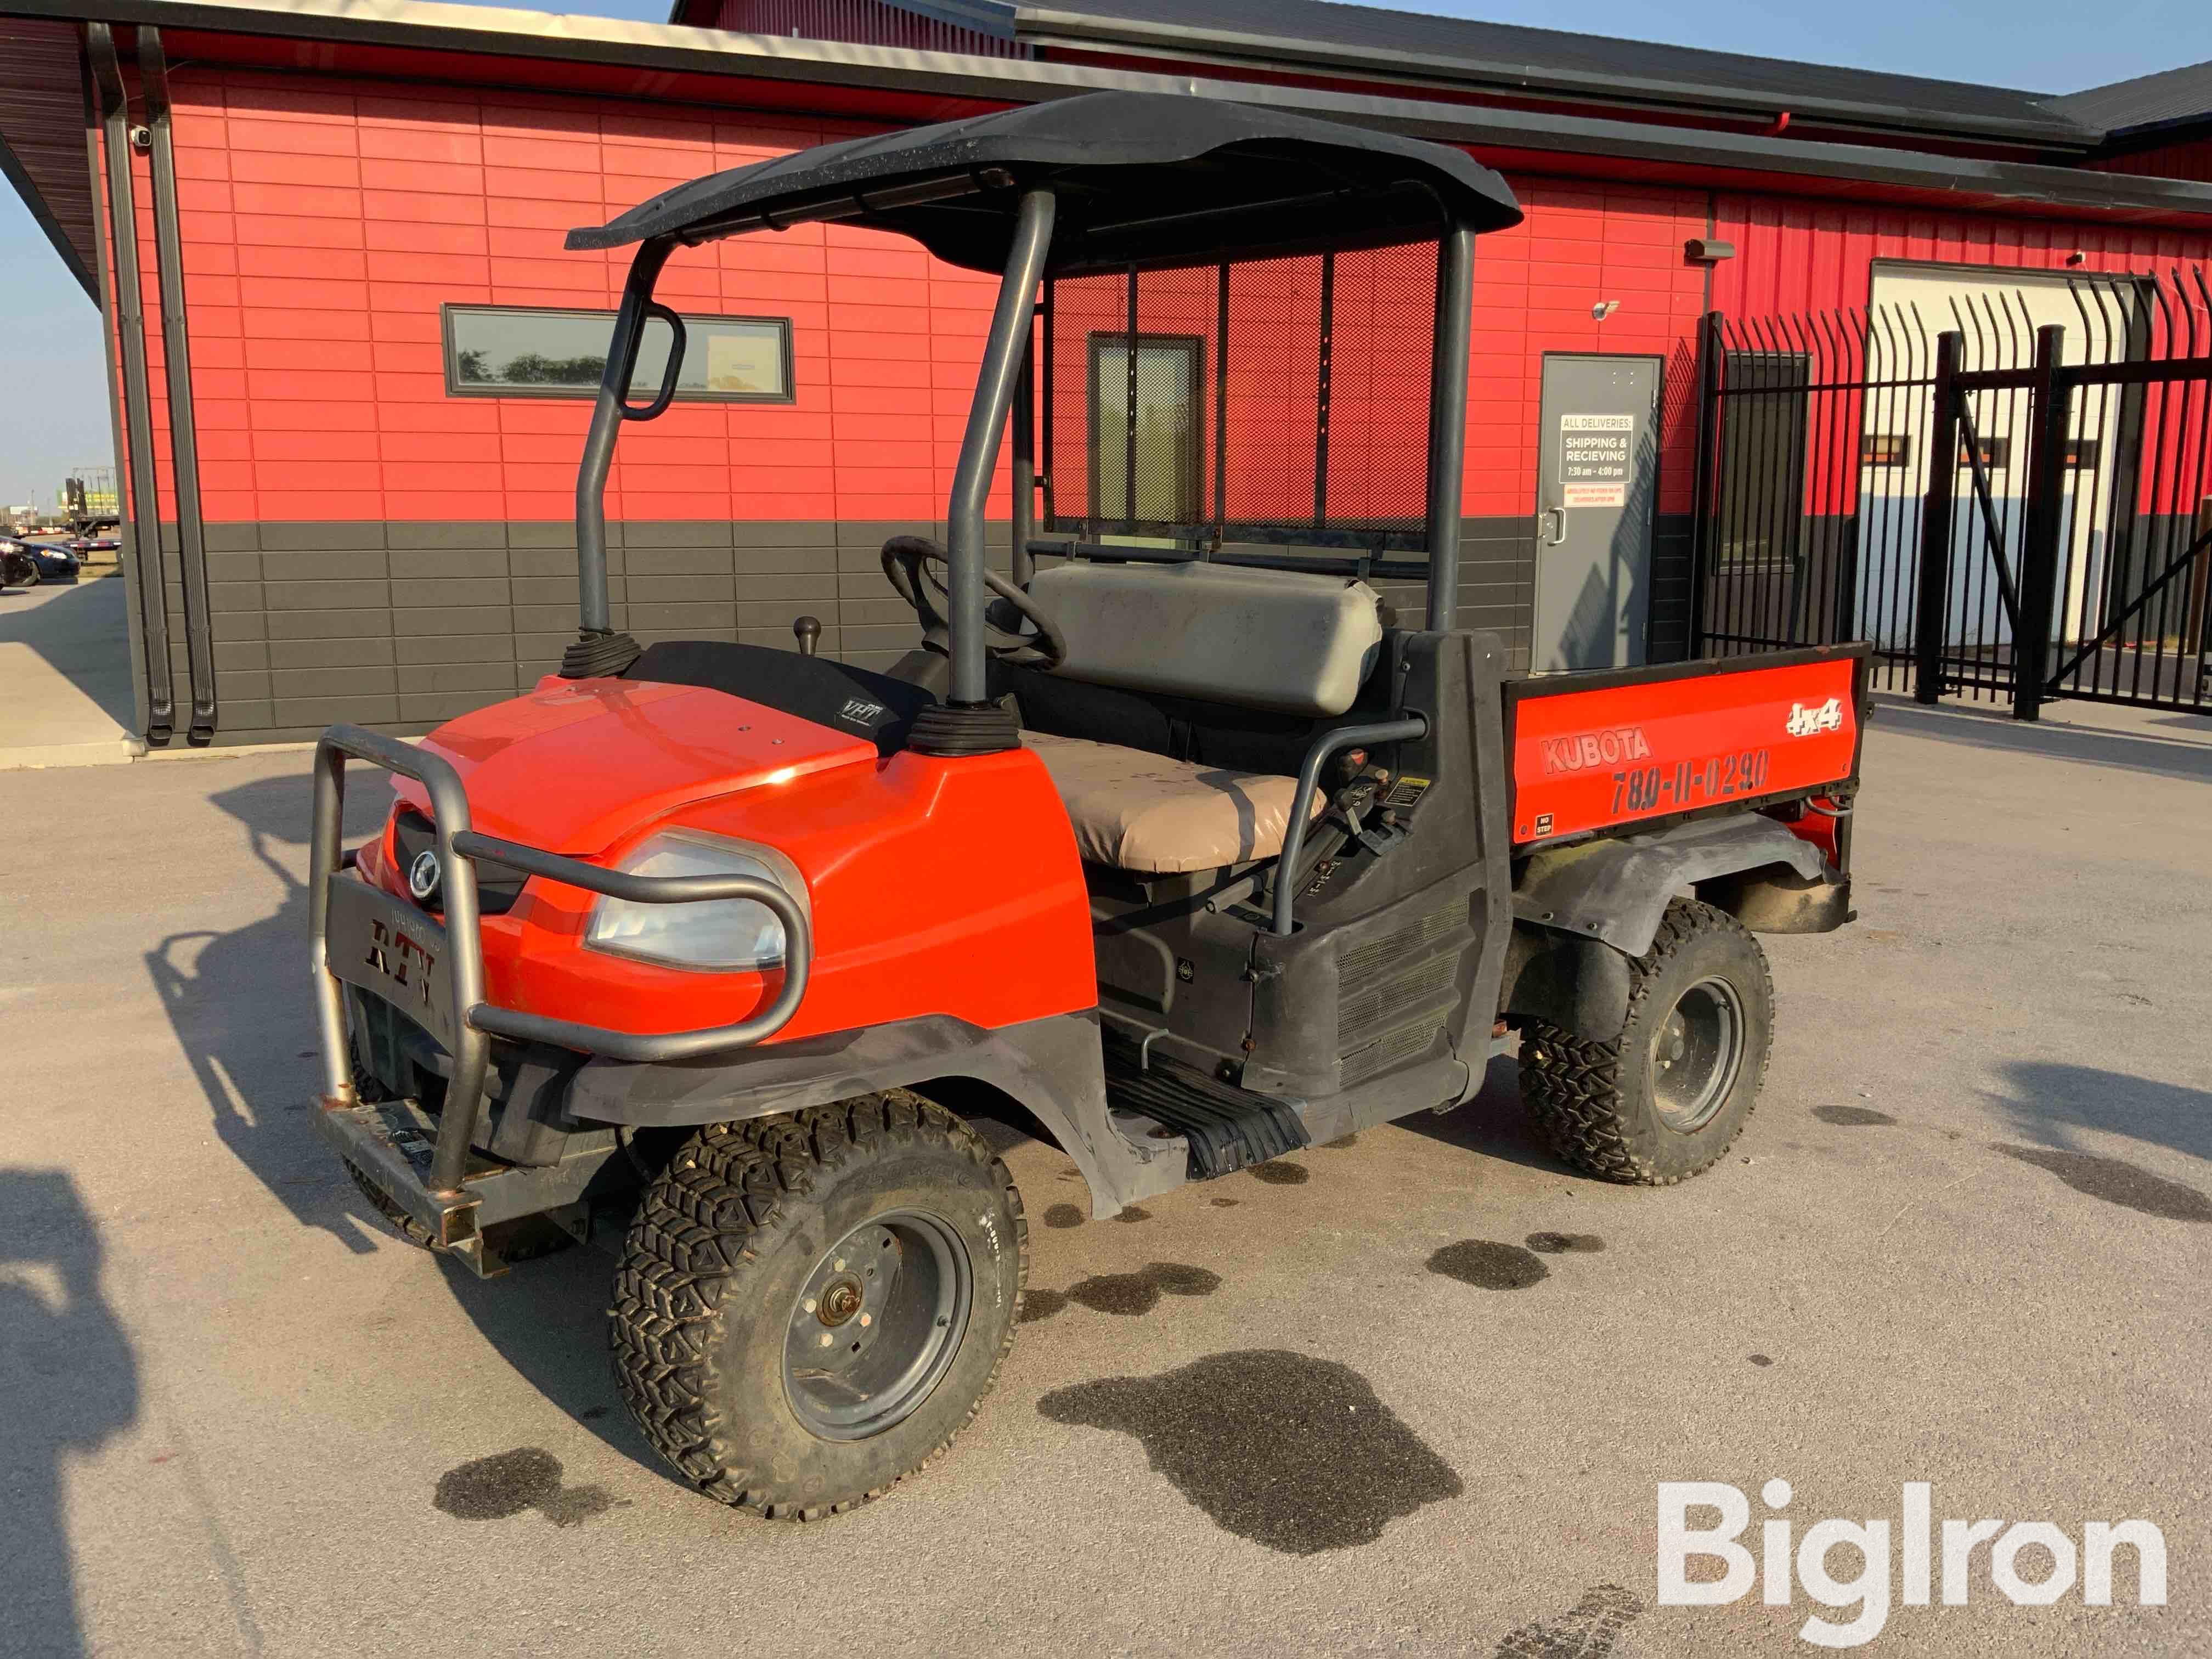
x,y
1593,459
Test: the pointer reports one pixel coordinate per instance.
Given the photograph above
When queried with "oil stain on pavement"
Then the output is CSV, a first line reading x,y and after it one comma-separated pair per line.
x,y
1489,1265
1039,1305
500,1487
1565,1244
1282,1173
1122,1293
1292,1452
1854,1117
1590,1631
2116,1182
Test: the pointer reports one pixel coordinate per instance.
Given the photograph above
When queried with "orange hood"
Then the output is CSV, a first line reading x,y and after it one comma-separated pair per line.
x,y
577,766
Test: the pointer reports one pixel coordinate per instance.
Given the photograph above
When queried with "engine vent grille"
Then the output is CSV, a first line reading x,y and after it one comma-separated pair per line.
x,y
1363,1010
1376,955
1392,1049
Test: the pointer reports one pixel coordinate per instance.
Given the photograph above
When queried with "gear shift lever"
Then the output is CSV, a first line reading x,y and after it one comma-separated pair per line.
x,y
809,631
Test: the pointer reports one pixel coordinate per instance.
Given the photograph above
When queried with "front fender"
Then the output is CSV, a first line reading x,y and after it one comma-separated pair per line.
x,y
1052,1066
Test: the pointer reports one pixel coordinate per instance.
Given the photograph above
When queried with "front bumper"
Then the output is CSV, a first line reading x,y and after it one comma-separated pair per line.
x,y
392,1143
362,937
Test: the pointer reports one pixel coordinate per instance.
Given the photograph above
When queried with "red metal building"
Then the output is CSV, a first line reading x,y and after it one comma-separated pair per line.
x,y
326,239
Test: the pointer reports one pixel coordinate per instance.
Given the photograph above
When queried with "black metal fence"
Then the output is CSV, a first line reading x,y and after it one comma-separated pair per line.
x,y
2009,508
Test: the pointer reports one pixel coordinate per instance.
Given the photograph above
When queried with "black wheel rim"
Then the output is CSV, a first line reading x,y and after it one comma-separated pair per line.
x,y
877,1324
1696,1055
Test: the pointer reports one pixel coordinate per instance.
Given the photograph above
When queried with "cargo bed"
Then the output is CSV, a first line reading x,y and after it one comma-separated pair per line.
x,y
1646,748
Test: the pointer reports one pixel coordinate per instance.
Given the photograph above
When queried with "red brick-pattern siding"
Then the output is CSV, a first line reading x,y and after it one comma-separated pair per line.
x,y
324,229
1794,257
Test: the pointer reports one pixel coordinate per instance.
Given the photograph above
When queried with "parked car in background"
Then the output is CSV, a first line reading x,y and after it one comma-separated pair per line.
x,y
17,567
44,561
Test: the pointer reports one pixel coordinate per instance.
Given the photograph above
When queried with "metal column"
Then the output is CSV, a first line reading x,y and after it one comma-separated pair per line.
x,y
177,367
139,489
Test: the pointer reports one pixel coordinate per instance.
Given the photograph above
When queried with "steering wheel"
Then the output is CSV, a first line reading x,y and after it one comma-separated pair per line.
x,y
906,559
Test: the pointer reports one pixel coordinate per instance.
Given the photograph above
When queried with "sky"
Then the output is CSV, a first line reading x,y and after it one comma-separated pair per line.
x,y
53,393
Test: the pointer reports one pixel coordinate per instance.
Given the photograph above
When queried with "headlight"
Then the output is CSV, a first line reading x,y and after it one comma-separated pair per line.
x,y
730,934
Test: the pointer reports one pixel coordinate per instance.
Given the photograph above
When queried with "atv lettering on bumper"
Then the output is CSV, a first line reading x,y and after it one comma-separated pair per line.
x,y
392,950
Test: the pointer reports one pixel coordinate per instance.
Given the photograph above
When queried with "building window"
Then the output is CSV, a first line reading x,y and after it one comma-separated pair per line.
x,y
1168,376
1995,453
507,351
2082,452
1886,449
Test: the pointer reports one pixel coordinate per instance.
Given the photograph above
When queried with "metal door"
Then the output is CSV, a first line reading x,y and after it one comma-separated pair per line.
x,y
1596,484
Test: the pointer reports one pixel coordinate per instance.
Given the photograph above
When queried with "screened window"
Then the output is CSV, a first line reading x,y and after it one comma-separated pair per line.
x,y
1165,435
504,351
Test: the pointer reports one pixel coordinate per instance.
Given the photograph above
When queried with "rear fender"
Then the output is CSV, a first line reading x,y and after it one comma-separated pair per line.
x,y
1615,892
1053,1067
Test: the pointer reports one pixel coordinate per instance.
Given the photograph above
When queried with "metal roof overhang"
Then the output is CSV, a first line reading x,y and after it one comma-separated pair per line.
x,y
42,138
1045,26
405,39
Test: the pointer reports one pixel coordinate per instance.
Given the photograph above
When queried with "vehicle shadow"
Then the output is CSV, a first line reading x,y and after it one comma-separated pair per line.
x,y
240,1004
2048,1104
70,1383
1493,1125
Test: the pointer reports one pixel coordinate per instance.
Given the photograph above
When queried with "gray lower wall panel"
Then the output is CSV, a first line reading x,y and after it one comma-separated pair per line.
x,y
403,625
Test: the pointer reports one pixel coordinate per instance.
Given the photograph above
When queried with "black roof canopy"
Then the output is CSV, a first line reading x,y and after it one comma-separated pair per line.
x,y
1141,178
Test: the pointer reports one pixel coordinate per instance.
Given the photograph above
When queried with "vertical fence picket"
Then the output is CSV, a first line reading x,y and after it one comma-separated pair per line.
x,y
2011,509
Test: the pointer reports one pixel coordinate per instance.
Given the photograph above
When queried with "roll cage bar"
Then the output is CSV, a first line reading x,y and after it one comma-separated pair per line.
x,y
1170,184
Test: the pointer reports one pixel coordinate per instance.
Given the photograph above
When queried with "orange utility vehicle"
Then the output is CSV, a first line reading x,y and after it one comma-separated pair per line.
x,y
1173,841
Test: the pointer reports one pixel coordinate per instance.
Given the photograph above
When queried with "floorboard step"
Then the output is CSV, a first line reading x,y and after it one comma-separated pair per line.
x,y
1228,1128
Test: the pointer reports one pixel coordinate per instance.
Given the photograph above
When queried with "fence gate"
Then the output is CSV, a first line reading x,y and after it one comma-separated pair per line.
x,y
2009,506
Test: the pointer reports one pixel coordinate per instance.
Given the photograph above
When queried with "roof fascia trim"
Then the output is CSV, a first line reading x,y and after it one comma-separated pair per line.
x,y
1044,27
459,28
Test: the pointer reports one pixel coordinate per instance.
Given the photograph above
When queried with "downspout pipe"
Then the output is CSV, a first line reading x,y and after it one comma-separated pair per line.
x,y
140,492
177,365
137,625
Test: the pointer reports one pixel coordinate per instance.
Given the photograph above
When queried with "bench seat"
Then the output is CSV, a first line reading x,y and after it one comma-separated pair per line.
x,y
1152,816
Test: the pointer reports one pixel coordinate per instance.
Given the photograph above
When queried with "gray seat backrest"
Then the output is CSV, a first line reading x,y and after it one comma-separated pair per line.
x,y
1287,640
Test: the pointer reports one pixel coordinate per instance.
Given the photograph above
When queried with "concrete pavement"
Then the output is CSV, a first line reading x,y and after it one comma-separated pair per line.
x,y
1412,1395
65,674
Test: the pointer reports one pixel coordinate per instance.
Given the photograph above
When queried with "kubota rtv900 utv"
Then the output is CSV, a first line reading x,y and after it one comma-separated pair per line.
x,y
1175,841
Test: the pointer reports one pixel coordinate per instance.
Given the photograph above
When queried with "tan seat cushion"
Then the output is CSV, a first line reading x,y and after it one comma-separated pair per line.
x,y
1156,817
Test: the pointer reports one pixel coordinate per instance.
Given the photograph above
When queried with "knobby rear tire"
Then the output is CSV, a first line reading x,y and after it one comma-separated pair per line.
x,y
1593,1099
